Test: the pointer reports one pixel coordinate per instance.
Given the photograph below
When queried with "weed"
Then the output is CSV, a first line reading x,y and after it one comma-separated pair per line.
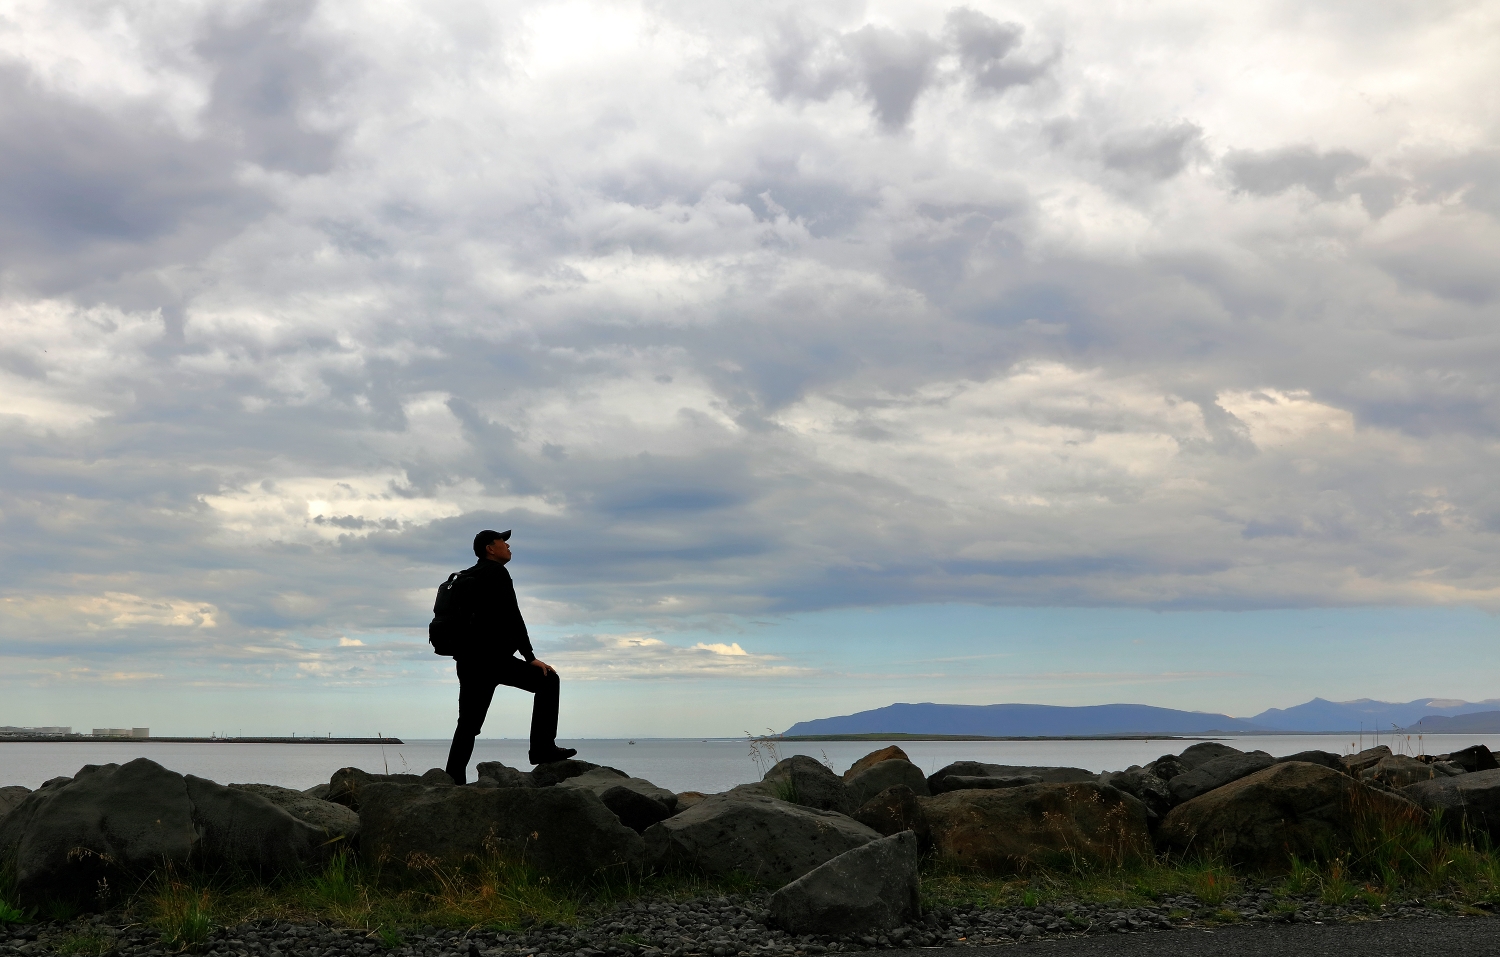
x,y
390,938
83,945
180,910
763,751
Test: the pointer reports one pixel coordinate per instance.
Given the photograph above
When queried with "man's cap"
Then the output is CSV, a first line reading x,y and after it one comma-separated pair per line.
x,y
487,536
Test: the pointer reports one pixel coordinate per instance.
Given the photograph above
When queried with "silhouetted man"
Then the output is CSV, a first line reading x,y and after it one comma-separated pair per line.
x,y
490,660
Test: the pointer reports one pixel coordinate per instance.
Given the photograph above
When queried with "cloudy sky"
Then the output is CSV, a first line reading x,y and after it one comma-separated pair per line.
x,y
821,355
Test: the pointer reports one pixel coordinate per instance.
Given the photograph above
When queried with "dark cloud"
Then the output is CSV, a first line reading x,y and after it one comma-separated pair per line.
x,y
1156,152
985,46
1269,172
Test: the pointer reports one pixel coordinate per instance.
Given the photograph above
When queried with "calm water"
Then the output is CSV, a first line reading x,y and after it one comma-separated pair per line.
x,y
676,763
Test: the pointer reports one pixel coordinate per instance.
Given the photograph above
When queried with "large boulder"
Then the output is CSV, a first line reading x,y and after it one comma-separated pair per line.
x,y
1217,772
802,780
1476,757
636,802
1144,786
1016,829
112,821
346,784
869,889
1200,754
891,753
334,820
503,776
886,774
963,775
760,837
1326,758
11,798
1399,771
1292,808
894,810
563,832
1466,800
1355,764
556,772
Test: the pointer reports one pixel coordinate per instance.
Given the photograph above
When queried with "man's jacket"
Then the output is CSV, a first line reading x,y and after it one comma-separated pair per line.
x,y
499,629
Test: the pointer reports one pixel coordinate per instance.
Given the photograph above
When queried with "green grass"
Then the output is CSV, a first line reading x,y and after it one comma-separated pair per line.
x,y
83,945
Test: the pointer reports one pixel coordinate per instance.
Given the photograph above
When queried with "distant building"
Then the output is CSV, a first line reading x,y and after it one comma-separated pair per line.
x,y
52,730
122,732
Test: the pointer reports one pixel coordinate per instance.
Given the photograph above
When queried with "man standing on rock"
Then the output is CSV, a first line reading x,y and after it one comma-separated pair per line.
x,y
489,660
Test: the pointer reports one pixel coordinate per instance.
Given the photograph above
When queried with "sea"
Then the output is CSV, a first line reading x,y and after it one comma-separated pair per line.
x,y
708,765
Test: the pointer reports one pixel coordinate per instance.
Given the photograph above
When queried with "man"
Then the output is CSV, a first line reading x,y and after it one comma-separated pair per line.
x,y
500,632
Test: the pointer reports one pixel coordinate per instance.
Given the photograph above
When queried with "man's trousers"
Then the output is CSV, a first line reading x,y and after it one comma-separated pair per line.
x,y
477,681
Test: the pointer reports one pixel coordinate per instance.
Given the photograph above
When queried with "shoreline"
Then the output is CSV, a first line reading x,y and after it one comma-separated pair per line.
x,y
122,739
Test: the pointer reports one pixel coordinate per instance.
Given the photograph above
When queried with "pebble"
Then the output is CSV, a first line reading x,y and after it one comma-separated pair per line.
x,y
704,927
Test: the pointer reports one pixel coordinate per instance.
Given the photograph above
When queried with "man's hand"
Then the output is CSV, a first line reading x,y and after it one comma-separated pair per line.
x,y
546,668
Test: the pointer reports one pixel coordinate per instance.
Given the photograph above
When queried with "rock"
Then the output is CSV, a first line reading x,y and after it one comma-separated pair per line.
x,y
891,753
802,780
1469,800
962,782
877,777
686,799
1016,829
1326,758
505,777
437,777
115,822
546,775
761,838
1146,787
1399,771
334,820
938,782
346,784
10,798
1167,767
319,791
872,888
1368,758
1291,808
636,802
1200,754
1217,772
564,832
1476,757
894,810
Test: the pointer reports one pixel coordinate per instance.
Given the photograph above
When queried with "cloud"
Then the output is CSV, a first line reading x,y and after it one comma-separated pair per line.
x,y
730,312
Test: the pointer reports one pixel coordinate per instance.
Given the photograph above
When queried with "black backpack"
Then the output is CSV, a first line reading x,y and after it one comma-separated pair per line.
x,y
453,615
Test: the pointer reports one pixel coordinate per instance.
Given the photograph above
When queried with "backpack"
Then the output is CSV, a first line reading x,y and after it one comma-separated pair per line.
x,y
452,615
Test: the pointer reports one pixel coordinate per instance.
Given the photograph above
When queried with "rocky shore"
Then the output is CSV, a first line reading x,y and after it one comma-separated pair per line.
x,y
839,855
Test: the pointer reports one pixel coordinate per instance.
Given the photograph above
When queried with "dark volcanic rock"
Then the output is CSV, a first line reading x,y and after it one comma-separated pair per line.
x,y
1200,754
1015,829
1286,809
10,798
805,781
111,822
1466,800
1476,757
877,777
1217,772
563,832
555,772
894,810
961,775
345,785
891,753
503,776
871,888
334,820
763,838
1368,758
1146,787
1326,758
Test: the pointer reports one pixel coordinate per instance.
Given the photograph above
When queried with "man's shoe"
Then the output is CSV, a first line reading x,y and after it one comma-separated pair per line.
x,y
550,755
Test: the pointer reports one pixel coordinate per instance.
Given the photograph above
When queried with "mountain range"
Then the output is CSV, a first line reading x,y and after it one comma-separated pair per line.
x,y
1432,715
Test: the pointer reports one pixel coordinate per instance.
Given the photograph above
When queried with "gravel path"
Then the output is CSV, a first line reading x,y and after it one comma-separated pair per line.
x,y
713,927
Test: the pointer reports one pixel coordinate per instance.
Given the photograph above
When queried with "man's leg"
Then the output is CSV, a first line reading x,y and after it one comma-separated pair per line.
x,y
547,690
476,688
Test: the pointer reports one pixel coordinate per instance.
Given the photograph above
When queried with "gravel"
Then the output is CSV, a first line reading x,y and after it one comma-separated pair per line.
x,y
708,927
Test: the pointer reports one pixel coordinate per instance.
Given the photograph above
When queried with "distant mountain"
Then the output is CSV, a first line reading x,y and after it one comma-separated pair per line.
x,y
1478,722
1022,720
1339,716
